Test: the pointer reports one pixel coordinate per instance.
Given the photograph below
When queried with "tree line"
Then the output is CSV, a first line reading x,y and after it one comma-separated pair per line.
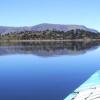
x,y
50,35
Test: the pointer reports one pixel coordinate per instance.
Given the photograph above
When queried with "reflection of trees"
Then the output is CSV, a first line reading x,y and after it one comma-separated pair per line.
x,y
47,48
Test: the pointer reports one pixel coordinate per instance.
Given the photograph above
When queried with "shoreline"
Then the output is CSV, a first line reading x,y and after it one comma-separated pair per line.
x,y
74,40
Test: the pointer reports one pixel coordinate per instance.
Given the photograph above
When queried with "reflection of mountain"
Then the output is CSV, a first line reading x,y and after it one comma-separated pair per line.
x,y
47,49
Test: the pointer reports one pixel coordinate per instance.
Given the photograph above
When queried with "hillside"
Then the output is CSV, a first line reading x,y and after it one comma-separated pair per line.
x,y
44,27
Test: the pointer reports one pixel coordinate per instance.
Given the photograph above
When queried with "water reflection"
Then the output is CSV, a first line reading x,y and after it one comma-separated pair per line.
x,y
28,77
47,49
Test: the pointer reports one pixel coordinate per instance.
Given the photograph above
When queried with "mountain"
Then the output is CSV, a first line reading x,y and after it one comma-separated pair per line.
x,y
4,30
43,27
59,27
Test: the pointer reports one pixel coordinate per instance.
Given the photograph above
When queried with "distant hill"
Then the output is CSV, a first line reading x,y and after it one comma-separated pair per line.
x,y
59,27
45,26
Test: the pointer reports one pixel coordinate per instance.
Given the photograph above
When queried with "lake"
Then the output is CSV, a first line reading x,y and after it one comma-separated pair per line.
x,y
45,70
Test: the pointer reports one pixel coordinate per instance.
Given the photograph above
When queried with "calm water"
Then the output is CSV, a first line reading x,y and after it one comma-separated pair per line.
x,y
45,71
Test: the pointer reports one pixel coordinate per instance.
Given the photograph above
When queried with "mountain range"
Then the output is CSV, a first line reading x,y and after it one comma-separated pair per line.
x,y
45,26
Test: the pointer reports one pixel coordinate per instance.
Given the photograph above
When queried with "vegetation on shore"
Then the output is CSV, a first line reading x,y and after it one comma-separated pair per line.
x,y
51,35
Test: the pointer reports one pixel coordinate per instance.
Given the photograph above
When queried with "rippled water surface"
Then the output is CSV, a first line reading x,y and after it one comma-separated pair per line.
x,y
45,70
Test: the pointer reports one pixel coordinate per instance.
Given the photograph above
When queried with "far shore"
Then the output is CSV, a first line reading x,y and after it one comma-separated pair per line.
x,y
68,40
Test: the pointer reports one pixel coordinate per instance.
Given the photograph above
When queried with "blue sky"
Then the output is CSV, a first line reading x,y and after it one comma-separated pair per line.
x,y
32,12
